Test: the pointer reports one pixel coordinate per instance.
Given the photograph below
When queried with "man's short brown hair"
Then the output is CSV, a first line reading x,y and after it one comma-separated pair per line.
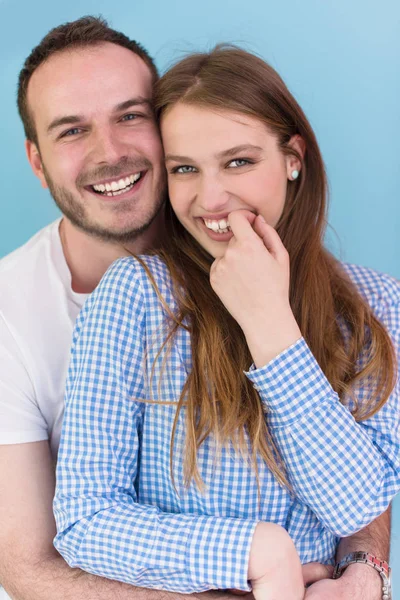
x,y
87,31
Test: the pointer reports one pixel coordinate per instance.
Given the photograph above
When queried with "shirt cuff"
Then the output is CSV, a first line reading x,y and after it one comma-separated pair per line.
x,y
291,384
219,552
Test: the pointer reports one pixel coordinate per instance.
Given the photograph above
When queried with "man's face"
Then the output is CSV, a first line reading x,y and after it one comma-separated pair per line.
x,y
99,151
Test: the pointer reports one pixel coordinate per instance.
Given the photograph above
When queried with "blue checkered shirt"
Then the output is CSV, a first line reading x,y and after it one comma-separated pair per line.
x,y
117,511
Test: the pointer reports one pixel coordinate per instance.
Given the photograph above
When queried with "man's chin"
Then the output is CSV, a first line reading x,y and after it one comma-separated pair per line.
x,y
120,225
111,233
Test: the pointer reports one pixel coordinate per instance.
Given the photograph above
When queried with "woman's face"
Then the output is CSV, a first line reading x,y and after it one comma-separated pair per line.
x,y
218,162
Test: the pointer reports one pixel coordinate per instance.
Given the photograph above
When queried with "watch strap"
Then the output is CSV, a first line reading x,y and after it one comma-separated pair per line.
x,y
367,559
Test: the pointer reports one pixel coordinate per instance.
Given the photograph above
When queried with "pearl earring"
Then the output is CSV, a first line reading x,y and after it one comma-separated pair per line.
x,y
295,174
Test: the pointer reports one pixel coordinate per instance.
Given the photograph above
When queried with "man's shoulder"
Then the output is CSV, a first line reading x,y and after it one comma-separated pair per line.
x,y
36,246
24,271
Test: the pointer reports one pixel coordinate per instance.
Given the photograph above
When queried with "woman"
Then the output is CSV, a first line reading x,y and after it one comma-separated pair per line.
x,y
236,392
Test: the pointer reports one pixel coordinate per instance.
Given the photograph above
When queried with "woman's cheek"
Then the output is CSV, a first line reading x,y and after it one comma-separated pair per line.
x,y
270,204
172,189
178,196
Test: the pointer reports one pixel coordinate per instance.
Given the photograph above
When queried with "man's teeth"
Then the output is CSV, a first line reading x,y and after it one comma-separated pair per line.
x,y
114,188
221,226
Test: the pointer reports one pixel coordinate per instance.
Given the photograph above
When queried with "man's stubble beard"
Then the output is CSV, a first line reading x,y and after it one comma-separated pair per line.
x,y
75,212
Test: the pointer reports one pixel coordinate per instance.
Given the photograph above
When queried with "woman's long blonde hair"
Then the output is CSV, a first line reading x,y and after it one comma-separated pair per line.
x,y
218,397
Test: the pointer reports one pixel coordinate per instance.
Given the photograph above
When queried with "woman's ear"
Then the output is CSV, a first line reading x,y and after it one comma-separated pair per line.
x,y
293,164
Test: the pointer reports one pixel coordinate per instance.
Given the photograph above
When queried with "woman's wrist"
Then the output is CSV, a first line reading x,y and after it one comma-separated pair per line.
x,y
274,566
271,544
267,337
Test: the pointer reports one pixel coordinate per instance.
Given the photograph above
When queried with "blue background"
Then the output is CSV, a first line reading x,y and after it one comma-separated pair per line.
x,y
340,58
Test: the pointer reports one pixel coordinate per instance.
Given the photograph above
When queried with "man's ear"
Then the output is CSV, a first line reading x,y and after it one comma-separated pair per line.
x,y
35,161
292,162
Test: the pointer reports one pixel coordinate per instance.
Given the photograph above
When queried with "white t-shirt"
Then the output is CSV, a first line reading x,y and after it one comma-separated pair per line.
x,y
38,309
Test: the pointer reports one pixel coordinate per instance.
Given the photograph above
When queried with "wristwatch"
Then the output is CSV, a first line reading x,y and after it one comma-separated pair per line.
x,y
367,559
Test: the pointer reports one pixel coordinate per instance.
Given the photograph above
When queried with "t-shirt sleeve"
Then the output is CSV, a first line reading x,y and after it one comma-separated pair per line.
x,y
20,418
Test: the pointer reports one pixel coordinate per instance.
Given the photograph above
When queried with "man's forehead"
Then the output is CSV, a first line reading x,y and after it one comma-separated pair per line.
x,y
86,63
101,76
62,118
106,53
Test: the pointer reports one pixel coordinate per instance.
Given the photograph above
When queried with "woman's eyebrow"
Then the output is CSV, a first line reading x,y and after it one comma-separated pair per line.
x,y
236,149
223,154
178,158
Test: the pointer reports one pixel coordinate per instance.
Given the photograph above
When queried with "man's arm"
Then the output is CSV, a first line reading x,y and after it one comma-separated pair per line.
x,y
358,582
374,539
30,567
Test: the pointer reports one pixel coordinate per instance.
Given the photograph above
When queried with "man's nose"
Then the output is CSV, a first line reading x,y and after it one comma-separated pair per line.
x,y
106,148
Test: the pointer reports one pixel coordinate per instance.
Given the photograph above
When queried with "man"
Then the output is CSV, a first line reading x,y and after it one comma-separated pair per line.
x,y
85,102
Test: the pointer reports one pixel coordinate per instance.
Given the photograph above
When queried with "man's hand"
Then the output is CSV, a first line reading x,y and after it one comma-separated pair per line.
x,y
358,582
315,571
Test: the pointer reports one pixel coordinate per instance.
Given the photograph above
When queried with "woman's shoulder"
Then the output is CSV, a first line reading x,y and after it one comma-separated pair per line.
x,y
125,295
136,276
381,291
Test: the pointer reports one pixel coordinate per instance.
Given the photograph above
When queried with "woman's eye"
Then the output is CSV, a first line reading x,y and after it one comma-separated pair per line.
x,y
183,169
238,162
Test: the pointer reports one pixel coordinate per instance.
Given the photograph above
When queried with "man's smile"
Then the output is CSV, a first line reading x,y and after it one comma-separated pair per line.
x,y
116,187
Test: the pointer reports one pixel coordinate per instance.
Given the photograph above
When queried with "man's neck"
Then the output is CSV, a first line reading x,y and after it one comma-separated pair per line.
x,y
88,257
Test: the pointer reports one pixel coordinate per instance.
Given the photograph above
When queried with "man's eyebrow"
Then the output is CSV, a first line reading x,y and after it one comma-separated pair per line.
x,y
139,101
224,154
67,120
74,119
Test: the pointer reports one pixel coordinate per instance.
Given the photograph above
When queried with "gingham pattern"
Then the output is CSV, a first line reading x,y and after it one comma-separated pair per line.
x,y
117,511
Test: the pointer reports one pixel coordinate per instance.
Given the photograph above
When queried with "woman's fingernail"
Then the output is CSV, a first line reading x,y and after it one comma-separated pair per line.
x,y
262,218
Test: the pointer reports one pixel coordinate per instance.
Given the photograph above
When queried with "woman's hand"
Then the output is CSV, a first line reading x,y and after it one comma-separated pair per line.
x,y
252,280
274,566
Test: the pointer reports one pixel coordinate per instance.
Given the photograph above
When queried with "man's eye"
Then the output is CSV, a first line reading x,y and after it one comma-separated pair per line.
x,y
71,132
130,117
239,162
183,169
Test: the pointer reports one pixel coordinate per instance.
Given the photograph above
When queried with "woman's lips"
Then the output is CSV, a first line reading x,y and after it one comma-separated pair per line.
x,y
215,236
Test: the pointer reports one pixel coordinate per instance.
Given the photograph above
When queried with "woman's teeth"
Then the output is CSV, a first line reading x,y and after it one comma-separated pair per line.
x,y
115,188
221,226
